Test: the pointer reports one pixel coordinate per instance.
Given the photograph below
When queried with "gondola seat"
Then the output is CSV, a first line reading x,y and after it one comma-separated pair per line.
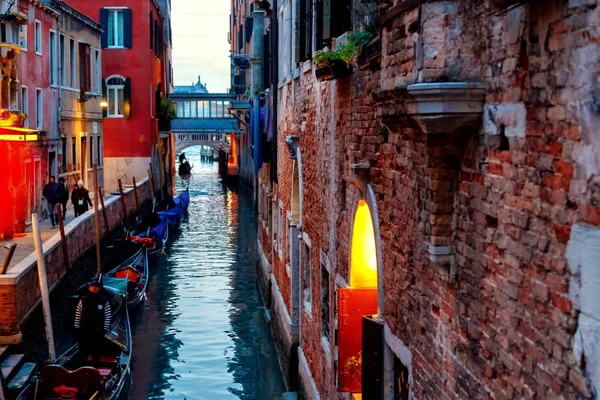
x,y
129,273
61,383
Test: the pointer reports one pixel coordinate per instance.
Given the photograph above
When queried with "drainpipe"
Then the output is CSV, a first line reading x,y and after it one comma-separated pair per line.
x,y
256,61
275,82
60,83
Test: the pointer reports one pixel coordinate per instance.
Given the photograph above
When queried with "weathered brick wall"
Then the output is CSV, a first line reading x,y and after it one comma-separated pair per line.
x,y
19,288
499,320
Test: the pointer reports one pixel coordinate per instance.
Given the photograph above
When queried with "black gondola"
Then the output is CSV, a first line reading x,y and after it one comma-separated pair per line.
x,y
185,168
74,376
136,271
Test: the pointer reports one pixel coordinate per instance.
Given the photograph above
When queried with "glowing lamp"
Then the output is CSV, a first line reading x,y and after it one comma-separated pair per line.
x,y
363,265
104,104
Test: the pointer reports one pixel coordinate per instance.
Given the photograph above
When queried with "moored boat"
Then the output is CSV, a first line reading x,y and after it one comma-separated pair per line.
x,y
136,271
75,376
175,214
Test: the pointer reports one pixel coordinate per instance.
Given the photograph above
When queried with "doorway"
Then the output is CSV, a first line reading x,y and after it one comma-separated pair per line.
x,y
52,164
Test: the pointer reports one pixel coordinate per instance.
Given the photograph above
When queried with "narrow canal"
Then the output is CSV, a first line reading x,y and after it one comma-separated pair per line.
x,y
202,333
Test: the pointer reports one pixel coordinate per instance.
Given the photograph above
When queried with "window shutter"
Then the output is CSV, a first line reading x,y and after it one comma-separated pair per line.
x,y
308,29
249,27
298,31
241,38
104,23
104,98
341,19
326,24
127,98
151,30
127,28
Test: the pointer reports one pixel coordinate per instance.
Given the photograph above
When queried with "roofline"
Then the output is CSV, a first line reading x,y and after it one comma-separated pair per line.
x,y
45,7
63,6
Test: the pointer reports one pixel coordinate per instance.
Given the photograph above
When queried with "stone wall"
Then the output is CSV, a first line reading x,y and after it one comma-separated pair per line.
x,y
19,287
479,298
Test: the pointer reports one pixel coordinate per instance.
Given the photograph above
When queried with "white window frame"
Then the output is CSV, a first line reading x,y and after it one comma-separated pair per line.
x,y
116,88
53,53
39,108
112,11
25,104
100,151
23,36
37,30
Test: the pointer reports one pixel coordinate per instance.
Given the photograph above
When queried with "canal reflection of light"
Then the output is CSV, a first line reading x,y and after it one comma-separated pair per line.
x,y
203,334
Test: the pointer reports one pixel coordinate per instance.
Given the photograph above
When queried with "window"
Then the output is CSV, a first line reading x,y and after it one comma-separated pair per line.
x,y
38,37
74,152
39,112
115,28
53,64
401,383
23,37
63,163
306,269
72,62
280,232
98,71
325,330
9,33
25,104
63,59
91,157
85,68
99,149
115,87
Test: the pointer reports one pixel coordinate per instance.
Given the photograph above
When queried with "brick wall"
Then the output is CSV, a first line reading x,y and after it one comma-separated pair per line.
x,y
19,288
498,318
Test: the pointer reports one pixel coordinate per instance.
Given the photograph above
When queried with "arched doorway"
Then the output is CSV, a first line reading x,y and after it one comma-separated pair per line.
x,y
360,303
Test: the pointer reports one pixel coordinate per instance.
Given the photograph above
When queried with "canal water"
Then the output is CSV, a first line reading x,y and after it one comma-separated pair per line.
x,y
202,332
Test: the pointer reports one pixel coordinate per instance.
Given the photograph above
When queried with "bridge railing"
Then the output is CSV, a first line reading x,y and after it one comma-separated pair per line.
x,y
201,137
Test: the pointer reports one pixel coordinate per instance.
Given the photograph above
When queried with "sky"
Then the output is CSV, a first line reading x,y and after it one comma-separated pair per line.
x,y
200,47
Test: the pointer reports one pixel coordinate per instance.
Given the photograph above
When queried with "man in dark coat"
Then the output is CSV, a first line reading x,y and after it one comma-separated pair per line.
x,y
93,319
51,193
182,158
64,196
80,199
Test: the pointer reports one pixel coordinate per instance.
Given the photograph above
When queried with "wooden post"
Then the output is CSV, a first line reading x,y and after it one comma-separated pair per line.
x,y
41,263
151,178
97,221
137,204
11,251
63,239
104,215
123,206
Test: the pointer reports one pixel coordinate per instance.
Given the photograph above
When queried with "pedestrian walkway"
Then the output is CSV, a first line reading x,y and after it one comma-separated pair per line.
x,y
25,245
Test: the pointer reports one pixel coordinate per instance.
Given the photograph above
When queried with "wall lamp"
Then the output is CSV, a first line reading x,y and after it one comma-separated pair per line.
x,y
361,177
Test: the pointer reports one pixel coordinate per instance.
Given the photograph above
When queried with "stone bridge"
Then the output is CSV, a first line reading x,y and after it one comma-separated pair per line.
x,y
203,120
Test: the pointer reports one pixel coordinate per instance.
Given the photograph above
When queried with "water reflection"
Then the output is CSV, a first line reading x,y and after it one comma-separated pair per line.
x,y
202,333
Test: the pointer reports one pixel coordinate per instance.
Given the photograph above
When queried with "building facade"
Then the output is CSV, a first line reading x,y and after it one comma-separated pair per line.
x,y
133,73
433,232
79,74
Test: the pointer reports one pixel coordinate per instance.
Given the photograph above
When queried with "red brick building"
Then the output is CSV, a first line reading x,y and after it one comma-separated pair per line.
x,y
133,79
447,185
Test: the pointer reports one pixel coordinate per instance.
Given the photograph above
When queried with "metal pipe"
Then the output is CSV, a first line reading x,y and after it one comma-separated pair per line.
x,y
43,280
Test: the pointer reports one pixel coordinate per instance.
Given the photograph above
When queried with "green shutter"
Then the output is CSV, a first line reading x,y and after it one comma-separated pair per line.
x,y
104,23
127,98
326,24
127,28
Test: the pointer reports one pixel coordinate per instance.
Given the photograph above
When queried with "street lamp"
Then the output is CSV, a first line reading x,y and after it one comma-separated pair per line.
x,y
103,104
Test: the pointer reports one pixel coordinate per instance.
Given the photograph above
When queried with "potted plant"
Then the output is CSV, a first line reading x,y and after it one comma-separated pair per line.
x,y
331,65
166,113
15,17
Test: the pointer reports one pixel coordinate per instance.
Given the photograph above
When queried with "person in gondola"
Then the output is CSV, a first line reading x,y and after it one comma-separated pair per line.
x,y
182,158
93,319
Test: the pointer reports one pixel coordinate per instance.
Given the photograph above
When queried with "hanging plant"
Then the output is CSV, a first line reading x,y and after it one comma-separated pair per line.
x,y
166,110
15,17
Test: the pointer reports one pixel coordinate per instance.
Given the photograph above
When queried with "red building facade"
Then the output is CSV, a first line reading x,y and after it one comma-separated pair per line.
x,y
133,74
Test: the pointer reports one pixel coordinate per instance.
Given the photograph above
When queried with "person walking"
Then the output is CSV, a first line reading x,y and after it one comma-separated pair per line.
x,y
64,196
80,199
52,194
93,319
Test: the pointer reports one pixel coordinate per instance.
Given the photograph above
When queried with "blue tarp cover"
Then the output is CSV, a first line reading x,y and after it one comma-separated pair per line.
x,y
117,285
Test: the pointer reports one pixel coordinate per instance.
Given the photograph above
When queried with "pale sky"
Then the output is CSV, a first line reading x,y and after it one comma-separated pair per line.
x,y
200,47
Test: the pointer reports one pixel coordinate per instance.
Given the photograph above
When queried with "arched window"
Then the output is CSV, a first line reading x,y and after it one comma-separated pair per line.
x,y
115,87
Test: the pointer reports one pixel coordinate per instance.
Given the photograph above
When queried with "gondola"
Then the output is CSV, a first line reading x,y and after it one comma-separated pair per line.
x,y
135,270
175,214
75,376
185,169
159,234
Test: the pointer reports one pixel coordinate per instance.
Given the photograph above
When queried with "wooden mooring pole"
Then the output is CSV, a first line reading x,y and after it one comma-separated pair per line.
x,y
104,215
63,240
137,204
97,222
123,206
41,264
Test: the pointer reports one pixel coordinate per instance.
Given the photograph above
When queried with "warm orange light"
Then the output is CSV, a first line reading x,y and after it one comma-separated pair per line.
x,y
13,138
363,264
104,104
